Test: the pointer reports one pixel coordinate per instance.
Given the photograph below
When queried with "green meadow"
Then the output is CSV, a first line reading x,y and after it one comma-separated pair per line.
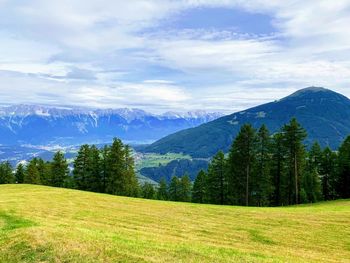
x,y
44,224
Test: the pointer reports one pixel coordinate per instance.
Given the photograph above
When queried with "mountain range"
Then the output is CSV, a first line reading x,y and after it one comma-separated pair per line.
x,y
44,125
324,114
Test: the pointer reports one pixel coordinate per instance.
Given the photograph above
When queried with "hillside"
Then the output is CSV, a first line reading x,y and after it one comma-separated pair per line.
x,y
323,113
45,224
40,125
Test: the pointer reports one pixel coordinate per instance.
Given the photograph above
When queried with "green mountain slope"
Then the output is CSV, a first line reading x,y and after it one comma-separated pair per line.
x,y
43,224
323,113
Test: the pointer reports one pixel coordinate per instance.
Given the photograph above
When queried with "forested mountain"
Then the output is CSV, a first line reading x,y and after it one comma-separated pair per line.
x,y
323,113
39,125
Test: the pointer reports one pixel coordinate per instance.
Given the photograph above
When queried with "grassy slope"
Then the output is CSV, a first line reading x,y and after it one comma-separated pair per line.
x,y
39,223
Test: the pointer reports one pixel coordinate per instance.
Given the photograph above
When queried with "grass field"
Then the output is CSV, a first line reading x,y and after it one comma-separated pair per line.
x,y
42,224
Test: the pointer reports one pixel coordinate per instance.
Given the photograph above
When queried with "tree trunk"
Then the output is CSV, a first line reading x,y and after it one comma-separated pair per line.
x,y
247,187
296,179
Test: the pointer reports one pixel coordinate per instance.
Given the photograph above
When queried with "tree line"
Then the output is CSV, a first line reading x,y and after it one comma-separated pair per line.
x,y
260,169
267,170
107,170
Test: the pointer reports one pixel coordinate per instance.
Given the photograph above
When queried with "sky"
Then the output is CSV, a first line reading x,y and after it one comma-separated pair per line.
x,y
161,55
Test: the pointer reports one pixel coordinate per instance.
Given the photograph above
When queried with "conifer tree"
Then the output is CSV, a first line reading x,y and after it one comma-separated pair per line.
x,y
329,174
185,188
32,175
217,181
293,137
59,170
242,158
6,174
199,191
262,186
44,169
81,171
94,172
311,183
162,191
115,169
278,168
343,180
19,175
148,191
104,167
174,189
130,182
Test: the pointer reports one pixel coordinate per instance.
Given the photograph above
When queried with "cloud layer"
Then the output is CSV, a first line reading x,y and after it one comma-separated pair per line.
x,y
157,56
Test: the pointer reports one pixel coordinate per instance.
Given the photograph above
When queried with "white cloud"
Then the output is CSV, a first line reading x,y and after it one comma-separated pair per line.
x,y
103,53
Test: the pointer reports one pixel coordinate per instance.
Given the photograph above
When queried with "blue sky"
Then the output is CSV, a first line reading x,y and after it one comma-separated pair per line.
x,y
217,55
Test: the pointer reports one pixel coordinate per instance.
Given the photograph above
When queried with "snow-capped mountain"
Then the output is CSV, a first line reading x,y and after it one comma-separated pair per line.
x,y
42,125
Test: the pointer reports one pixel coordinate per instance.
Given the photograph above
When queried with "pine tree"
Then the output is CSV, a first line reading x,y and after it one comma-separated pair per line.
x,y
343,180
115,167
59,170
174,189
199,191
44,169
217,181
278,168
131,182
94,182
148,191
242,158
315,157
311,179
185,188
329,174
162,191
19,175
262,185
81,171
104,167
6,174
32,175
293,137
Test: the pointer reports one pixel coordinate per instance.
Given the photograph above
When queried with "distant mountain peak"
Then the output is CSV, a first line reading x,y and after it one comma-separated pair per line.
x,y
315,93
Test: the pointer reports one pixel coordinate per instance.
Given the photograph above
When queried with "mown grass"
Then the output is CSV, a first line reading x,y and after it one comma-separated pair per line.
x,y
42,224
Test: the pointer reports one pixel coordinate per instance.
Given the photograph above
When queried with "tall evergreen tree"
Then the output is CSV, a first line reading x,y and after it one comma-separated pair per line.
x,y
242,158
6,174
329,174
148,191
94,174
185,188
343,180
311,183
199,191
174,189
19,175
59,170
115,169
44,169
262,186
130,182
32,175
162,191
104,167
217,180
81,171
278,168
293,137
